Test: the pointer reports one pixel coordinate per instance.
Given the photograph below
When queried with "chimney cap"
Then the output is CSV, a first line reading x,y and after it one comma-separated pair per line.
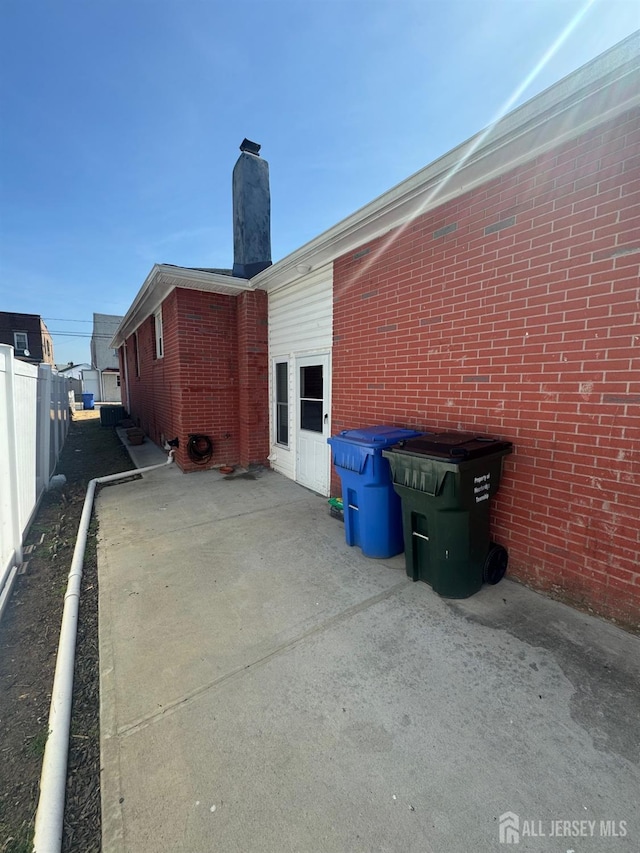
x,y
250,147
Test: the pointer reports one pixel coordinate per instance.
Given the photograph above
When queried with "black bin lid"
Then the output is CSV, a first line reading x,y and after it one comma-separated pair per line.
x,y
454,446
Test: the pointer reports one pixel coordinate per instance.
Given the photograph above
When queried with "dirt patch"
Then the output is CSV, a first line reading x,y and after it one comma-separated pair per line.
x,y
29,634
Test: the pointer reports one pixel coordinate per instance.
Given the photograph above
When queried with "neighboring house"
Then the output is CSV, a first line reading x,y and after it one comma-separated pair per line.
x,y
104,359
74,372
29,337
495,291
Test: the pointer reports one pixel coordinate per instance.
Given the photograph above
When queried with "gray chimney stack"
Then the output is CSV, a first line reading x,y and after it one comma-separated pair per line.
x,y
251,212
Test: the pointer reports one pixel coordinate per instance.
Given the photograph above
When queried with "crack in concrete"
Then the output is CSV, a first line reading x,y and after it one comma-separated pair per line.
x,y
177,704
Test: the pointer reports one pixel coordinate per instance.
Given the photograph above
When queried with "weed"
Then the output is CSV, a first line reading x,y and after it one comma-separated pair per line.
x,y
39,742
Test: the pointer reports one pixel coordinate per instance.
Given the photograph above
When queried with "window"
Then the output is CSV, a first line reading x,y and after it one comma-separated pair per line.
x,y
20,341
311,398
136,353
282,403
157,320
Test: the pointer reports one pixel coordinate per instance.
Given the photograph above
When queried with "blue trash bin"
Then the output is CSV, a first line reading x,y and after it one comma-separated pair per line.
x,y
372,509
87,401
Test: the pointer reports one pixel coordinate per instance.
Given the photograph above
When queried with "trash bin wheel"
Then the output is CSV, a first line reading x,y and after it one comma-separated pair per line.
x,y
495,565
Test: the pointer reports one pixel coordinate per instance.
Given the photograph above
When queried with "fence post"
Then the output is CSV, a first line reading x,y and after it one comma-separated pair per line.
x,y
63,397
55,408
44,421
9,453
65,393
63,404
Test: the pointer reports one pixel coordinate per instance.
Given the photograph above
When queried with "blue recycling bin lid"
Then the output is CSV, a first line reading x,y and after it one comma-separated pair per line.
x,y
379,436
351,447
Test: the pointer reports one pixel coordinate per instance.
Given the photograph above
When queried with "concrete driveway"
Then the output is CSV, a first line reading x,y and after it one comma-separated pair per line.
x,y
264,687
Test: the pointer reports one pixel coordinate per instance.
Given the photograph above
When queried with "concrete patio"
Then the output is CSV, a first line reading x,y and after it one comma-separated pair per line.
x,y
264,687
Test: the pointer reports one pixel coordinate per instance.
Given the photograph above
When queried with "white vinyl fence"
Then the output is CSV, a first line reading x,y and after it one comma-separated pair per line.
x,y
34,421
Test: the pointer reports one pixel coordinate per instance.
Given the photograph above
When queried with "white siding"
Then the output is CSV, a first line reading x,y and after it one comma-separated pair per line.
x,y
300,323
110,388
91,383
104,328
301,314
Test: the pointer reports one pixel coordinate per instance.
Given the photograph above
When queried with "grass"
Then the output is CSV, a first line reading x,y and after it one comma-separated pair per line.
x,y
20,843
16,840
38,743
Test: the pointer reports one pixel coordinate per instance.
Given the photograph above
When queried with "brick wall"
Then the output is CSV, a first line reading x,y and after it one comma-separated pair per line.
x,y
212,379
513,310
208,373
153,391
253,377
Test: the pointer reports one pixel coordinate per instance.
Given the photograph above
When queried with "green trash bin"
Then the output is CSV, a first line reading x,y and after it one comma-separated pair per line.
x,y
446,482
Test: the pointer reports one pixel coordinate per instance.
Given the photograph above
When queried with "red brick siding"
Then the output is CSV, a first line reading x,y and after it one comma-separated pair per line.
x,y
253,377
152,393
208,373
529,332
212,379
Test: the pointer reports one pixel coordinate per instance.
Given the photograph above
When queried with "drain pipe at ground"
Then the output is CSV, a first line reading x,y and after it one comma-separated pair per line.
x,y
53,780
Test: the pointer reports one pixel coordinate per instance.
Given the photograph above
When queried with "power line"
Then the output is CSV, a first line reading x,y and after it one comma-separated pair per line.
x,y
81,335
66,320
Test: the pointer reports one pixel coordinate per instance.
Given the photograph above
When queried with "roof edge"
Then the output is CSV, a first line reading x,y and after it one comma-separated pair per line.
x,y
471,162
160,282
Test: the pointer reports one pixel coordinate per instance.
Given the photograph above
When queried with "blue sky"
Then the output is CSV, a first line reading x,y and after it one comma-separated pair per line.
x,y
120,122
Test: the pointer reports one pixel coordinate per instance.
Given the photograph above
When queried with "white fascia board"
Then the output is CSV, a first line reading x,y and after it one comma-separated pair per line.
x,y
162,279
567,109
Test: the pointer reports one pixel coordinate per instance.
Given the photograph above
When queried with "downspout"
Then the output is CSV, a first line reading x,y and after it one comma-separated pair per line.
x,y
53,780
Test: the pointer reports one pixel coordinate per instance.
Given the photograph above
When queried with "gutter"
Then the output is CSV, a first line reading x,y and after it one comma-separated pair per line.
x,y
511,139
581,100
160,282
53,780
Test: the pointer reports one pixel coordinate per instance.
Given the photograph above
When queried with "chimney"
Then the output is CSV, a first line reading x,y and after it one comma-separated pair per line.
x,y
251,212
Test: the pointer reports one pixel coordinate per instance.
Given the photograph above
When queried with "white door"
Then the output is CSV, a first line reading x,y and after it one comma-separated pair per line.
x,y
312,419
91,383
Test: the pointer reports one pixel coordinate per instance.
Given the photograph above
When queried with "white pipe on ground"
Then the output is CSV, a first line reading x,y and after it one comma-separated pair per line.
x,y
53,780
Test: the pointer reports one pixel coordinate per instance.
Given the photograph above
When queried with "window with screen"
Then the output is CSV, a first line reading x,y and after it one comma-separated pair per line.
x,y
282,403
